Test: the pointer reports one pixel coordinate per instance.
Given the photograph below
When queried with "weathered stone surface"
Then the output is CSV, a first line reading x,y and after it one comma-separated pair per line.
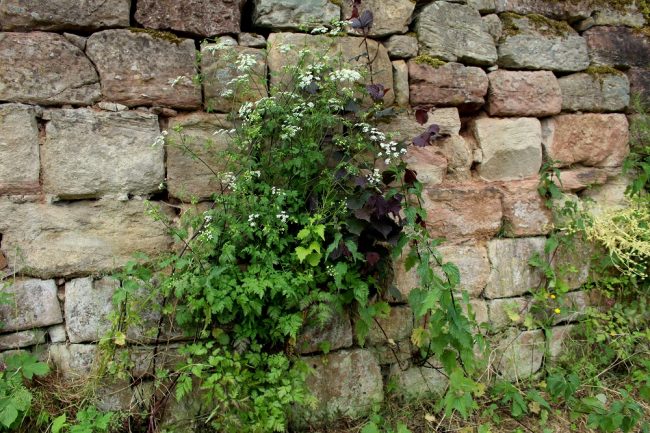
x,y
401,82
599,140
21,339
88,304
519,354
559,10
459,154
46,69
402,46
483,6
78,238
357,387
480,311
251,40
397,326
492,25
608,197
511,148
595,92
399,353
349,48
573,306
618,46
511,274
628,15
76,40
529,44
139,67
559,340
19,149
220,66
524,211
640,82
56,15
450,85
403,126
33,304
508,312
335,334
199,17
3,261
579,178
390,17
463,211
57,334
91,153
522,93
473,264
453,32
73,361
292,14
116,396
187,176
429,162
418,382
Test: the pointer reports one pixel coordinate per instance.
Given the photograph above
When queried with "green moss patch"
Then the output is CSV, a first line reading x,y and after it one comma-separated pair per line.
x,y
165,36
425,59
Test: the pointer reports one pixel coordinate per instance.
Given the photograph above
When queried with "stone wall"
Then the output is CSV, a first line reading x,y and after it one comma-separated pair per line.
x,y
87,87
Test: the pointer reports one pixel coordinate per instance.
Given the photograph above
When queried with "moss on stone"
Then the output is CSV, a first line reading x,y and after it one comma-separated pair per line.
x,y
338,3
165,36
425,59
541,24
602,70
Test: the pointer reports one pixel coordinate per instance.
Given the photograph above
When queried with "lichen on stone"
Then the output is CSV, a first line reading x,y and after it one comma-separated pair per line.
x,y
165,36
425,59
541,24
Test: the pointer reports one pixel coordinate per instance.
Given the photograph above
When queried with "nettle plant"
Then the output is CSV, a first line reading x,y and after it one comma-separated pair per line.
x,y
314,204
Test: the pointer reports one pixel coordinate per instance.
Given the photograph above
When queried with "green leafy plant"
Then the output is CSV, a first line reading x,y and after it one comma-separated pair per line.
x,y
15,397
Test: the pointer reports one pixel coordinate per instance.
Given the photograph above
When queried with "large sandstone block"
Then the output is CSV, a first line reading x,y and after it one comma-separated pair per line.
x,y
580,178
618,46
292,14
402,46
194,158
46,69
453,32
73,361
640,81
88,305
418,382
77,238
595,92
463,211
515,93
390,16
534,42
511,148
599,140
91,153
450,85
55,15
220,66
511,274
524,210
32,304
350,49
358,385
397,326
199,17
560,10
519,354
19,148
141,67
21,339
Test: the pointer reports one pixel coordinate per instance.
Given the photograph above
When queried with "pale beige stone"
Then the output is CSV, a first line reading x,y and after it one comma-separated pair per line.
x,y
524,93
293,14
19,149
401,82
418,382
333,335
397,326
519,354
32,304
88,305
511,274
390,16
595,92
524,210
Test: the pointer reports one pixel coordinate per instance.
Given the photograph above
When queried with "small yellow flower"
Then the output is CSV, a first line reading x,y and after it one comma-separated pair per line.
x,y
552,296
557,311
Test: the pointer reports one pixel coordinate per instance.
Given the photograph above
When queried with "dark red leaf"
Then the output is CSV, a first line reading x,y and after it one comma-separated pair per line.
x,y
388,177
376,91
364,21
372,258
424,139
410,176
421,115
355,12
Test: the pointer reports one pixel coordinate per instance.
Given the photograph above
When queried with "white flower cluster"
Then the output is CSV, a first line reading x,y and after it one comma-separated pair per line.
x,y
252,219
245,110
245,62
230,180
374,178
207,218
282,216
160,140
224,131
276,191
330,271
342,75
285,48
311,73
390,151
289,131
319,30
175,81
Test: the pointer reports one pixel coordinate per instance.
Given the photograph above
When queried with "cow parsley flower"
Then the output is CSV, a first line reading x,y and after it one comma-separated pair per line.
x,y
342,75
245,62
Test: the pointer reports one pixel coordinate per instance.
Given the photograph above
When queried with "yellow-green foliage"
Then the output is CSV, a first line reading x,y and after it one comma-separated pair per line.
x,y
165,36
603,70
625,233
425,59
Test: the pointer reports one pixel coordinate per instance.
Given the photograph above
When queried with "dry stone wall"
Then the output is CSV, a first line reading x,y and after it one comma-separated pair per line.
x,y
87,87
